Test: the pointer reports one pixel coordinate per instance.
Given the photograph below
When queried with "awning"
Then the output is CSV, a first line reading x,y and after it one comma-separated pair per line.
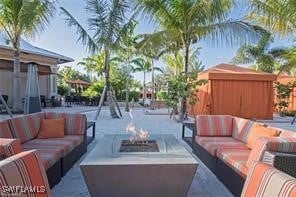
x,y
8,65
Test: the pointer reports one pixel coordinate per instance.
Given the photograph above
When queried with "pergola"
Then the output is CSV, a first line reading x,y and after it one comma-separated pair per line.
x,y
78,85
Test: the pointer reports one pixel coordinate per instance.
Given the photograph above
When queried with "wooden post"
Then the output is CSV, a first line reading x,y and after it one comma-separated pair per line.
x,y
6,106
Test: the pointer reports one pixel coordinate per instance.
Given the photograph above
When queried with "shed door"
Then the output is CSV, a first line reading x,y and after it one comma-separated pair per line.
x,y
247,99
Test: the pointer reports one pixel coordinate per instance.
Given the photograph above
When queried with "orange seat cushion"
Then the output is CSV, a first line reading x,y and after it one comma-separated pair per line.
x,y
63,145
235,158
52,128
212,144
260,131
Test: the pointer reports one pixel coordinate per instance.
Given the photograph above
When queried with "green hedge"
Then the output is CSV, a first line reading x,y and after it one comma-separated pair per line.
x,y
132,95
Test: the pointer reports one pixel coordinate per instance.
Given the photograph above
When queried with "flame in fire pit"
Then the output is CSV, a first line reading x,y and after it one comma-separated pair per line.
x,y
143,135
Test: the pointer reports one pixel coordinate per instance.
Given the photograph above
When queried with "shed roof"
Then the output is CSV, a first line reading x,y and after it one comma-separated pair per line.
x,y
232,72
26,47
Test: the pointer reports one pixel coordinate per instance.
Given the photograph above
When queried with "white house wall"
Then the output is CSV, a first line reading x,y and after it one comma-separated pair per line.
x,y
44,85
6,84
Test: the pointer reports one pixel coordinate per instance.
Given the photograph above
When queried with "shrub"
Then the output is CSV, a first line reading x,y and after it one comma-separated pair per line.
x,y
132,95
63,90
283,92
162,95
94,90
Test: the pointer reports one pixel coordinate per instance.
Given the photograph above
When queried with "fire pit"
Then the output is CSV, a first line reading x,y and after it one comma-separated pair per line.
x,y
139,146
117,166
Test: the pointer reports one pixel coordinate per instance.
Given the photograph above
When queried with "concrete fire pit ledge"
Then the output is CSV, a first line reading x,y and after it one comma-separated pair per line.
x,y
108,172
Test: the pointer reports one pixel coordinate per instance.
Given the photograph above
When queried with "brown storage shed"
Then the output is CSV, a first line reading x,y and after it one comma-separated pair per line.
x,y
284,79
236,91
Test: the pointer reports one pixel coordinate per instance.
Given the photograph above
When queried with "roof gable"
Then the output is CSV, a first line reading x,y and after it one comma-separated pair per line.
x,y
26,47
232,72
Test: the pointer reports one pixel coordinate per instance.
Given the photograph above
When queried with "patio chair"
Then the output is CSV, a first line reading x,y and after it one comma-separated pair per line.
x,y
23,174
69,101
265,180
42,100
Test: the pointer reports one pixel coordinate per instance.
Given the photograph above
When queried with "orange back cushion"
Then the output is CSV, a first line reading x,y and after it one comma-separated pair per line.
x,y
52,128
260,131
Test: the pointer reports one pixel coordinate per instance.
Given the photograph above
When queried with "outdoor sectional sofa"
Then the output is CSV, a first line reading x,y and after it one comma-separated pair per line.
x,y
220,141
28,171
58,155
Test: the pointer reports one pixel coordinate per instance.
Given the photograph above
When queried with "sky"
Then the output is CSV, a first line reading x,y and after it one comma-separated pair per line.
x,y
60,38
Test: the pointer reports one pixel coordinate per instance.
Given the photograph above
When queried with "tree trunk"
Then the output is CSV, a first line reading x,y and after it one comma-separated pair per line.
x,y
183,100
108,85
127,94
17,99
144,89
153,84
176,58
103,96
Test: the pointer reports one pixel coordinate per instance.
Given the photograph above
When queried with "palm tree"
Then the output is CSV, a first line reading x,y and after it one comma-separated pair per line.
x,y
258,54
265,59
278,15
67,74
145,66
108,25
126,53
153,52
175,62
285,59
128,66
190,21
142,65
94,64
22,18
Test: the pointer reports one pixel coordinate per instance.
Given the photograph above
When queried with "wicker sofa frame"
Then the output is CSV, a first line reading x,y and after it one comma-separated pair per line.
x,y
231,179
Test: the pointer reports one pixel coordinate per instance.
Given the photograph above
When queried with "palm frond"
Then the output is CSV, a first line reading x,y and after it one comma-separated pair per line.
x,y
97,22
231,33
25,18
159,69
126,30
244,55
277,15
34,16
83,35
157,9
116,19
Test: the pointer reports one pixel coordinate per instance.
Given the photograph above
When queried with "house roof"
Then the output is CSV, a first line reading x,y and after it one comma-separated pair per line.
x,y
26,47
232,72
